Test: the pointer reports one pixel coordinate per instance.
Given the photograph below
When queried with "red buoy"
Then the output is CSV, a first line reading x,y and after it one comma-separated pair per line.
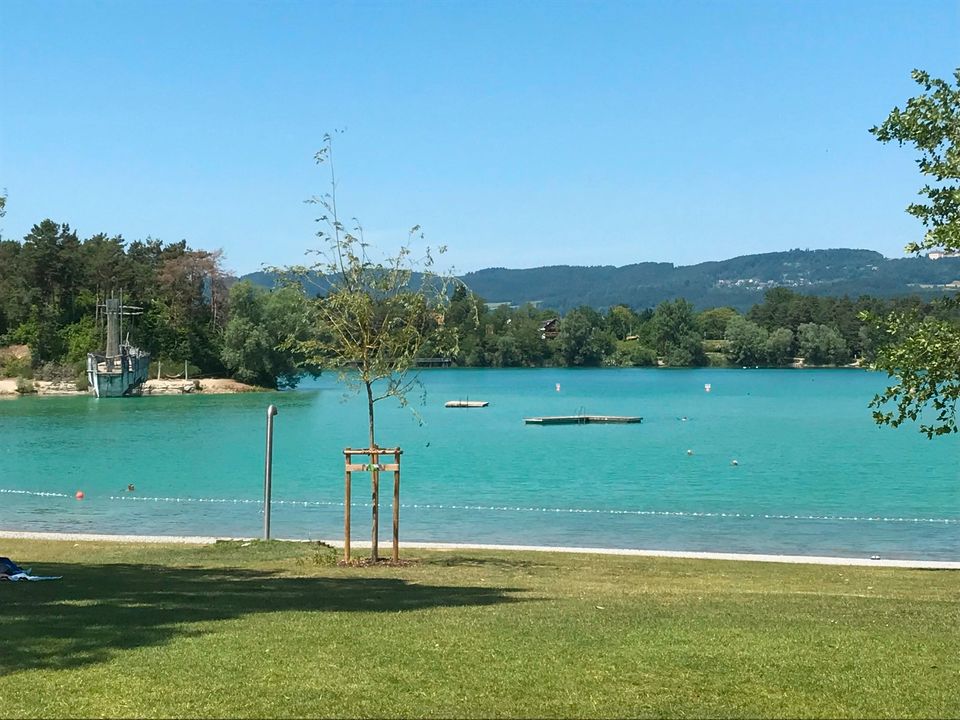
x,y
79,495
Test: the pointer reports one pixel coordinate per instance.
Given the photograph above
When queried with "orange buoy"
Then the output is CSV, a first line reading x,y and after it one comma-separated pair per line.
x,y
79,495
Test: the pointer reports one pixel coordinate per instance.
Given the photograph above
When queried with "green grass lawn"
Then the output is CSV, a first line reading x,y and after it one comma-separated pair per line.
x,y
275,630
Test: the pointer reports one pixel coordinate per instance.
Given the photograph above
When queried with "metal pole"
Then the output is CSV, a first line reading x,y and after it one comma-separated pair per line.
x,y
268,472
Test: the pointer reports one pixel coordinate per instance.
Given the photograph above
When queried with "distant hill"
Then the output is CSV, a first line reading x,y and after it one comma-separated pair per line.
x,y
739,282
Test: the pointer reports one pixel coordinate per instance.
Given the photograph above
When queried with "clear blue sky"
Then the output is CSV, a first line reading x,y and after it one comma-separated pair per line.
x,y
517,133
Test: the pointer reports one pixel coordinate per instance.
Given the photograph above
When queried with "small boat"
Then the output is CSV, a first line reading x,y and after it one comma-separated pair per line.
x,y
465,403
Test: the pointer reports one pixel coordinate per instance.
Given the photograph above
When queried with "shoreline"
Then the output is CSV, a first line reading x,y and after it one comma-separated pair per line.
x,y
227,386
203,386
676,554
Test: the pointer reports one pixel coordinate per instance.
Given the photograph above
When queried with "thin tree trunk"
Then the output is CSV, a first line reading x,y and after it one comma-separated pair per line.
x,y
373,443
374,483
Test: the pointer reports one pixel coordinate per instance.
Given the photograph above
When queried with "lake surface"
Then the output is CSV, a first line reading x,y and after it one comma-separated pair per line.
x,y
814,475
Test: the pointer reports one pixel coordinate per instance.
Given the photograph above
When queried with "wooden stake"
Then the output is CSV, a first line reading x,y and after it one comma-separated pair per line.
x,y
346,514
375,481
374,467
396,508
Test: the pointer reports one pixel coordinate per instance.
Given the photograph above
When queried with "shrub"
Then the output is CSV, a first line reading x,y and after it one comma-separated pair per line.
x,y
25,386
630,353
16,367
80,378
16,361
55,372
717,359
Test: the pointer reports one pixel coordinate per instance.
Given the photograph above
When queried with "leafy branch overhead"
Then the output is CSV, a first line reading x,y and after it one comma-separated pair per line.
x,y
923,355
931,123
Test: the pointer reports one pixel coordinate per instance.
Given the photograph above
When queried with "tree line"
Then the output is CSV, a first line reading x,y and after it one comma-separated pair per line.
x,y
51,283
777,332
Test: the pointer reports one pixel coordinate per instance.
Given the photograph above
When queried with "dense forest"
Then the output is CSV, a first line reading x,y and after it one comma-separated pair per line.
x,y
51,283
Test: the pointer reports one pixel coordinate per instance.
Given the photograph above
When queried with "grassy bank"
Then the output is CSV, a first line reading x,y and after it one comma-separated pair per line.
x,y
273,630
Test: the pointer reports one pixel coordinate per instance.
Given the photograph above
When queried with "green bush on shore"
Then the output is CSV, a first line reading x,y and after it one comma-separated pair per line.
x,y
25,386
12,366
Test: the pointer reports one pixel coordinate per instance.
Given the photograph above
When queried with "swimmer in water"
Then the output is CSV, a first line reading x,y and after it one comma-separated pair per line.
x,y
130,487
734,462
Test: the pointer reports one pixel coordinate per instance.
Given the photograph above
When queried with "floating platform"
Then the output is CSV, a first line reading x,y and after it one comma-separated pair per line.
x,y
581,419
465,403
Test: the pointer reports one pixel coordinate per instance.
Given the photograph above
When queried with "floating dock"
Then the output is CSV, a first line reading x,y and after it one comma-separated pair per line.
x,y
466,403
581,419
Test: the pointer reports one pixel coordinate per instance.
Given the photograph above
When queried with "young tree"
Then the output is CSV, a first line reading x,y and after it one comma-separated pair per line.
x,y
372,318
924,356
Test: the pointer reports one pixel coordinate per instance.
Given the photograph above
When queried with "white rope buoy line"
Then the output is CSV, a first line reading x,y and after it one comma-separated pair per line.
x,y
32,492
516,508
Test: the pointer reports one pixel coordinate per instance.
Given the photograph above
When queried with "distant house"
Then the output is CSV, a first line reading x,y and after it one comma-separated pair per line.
x,y
940,254
549,329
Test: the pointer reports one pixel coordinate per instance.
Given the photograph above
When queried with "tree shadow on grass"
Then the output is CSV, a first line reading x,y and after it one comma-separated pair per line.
x,y
96,611
492,562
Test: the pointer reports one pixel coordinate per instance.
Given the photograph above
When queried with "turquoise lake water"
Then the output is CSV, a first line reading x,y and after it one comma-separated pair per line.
x,y
815,476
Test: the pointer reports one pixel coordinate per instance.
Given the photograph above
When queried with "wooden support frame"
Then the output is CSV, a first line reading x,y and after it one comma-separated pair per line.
x,y
374,467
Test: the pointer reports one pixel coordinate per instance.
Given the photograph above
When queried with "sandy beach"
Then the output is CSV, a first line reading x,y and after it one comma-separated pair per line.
x,y
205,386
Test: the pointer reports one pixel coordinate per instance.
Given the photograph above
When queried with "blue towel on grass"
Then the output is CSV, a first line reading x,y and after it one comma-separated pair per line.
x,y
9,570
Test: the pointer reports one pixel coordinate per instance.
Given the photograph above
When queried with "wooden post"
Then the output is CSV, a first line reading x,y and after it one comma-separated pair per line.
x,y
396,507
375,481
346,512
